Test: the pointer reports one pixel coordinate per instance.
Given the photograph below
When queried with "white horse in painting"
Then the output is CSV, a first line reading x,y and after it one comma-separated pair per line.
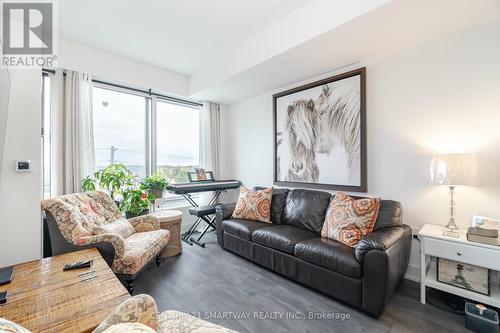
x,y
339,123
302,125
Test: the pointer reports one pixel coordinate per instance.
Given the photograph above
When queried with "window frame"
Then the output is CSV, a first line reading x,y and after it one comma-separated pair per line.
x,y
151,128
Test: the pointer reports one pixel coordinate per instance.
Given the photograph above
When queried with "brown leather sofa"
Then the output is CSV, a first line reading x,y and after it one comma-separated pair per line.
x,y
365,276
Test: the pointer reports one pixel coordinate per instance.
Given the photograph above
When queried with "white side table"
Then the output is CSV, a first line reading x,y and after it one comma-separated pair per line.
x,y
435,245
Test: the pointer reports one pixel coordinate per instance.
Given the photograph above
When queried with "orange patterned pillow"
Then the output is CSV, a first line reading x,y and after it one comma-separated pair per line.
x,y
254,205
349,220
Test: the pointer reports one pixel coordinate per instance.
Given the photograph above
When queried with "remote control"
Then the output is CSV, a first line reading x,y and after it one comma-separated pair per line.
x,y
3,297
77,265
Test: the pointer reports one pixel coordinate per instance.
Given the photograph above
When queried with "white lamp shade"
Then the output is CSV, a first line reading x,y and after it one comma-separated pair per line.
x,y
454,169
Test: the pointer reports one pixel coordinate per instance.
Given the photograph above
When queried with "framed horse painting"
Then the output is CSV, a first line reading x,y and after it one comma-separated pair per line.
x,y
320,134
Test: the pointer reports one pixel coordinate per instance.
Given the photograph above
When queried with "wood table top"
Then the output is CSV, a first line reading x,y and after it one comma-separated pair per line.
x,y
44,298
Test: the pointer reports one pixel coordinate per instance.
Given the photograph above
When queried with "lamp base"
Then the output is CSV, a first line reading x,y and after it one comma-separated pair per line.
x,y
451,233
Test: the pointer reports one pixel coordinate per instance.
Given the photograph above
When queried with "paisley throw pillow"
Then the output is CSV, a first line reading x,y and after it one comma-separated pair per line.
x,y
348,220
254,205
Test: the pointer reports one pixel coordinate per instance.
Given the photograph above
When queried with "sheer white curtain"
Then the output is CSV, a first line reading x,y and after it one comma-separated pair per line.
x,y
72,137
210,141
210,137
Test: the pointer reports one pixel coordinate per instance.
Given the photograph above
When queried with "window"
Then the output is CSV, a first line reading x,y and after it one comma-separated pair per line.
x,y
146,133
120,129
178,138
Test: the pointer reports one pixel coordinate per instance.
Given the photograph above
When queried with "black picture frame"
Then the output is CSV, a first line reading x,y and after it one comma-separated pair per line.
x,y
362,187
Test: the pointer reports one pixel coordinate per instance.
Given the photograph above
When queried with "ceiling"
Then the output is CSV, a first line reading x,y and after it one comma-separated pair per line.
x,y
178,35
235,49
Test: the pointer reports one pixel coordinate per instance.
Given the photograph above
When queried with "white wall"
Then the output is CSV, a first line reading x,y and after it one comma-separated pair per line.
x,y
433,98
118,69
20,193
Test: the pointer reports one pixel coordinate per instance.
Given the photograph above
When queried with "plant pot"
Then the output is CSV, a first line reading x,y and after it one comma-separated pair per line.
x,y
129,215
157,193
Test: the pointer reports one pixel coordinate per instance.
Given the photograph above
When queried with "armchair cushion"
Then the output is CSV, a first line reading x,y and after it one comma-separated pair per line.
x,y
145,223
120,227
138,309
378,240
140,248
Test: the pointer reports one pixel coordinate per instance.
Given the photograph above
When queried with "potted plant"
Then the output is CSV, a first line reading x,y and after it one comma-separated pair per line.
x,y
135,202
155,185
114,179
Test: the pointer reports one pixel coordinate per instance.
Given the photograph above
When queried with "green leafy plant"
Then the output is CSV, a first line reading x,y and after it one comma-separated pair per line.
x,y
135,202
155,184
115,179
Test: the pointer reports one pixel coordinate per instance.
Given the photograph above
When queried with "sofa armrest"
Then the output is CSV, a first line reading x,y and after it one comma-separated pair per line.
x,y
222,212
145,223
114,239
138,309
378,240
384,267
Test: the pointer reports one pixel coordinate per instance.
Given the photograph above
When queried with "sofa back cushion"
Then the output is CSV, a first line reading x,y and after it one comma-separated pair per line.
x,y
277,203
306,209
390,213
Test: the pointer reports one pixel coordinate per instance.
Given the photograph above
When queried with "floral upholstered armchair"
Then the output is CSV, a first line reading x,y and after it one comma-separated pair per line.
x,y
139,314
92,219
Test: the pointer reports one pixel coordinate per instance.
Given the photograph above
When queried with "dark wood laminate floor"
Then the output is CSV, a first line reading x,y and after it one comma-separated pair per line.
x,y
216,284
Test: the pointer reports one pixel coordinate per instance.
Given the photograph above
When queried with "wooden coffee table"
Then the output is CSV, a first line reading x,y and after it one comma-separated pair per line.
x,y
44,298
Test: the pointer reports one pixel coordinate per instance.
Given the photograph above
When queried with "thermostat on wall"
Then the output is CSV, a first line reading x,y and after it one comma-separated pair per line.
x,y
23,165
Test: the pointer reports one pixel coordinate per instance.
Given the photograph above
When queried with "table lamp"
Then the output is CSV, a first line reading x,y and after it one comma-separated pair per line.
x,y
452,170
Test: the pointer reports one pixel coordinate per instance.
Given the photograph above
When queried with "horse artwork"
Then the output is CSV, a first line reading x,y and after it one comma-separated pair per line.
x,y
319,134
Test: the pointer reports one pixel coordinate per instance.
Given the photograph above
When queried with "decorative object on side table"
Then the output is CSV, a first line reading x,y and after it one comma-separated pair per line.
x,y
485,222
464,276
483,235
135,202
320,134
453,170
155,185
